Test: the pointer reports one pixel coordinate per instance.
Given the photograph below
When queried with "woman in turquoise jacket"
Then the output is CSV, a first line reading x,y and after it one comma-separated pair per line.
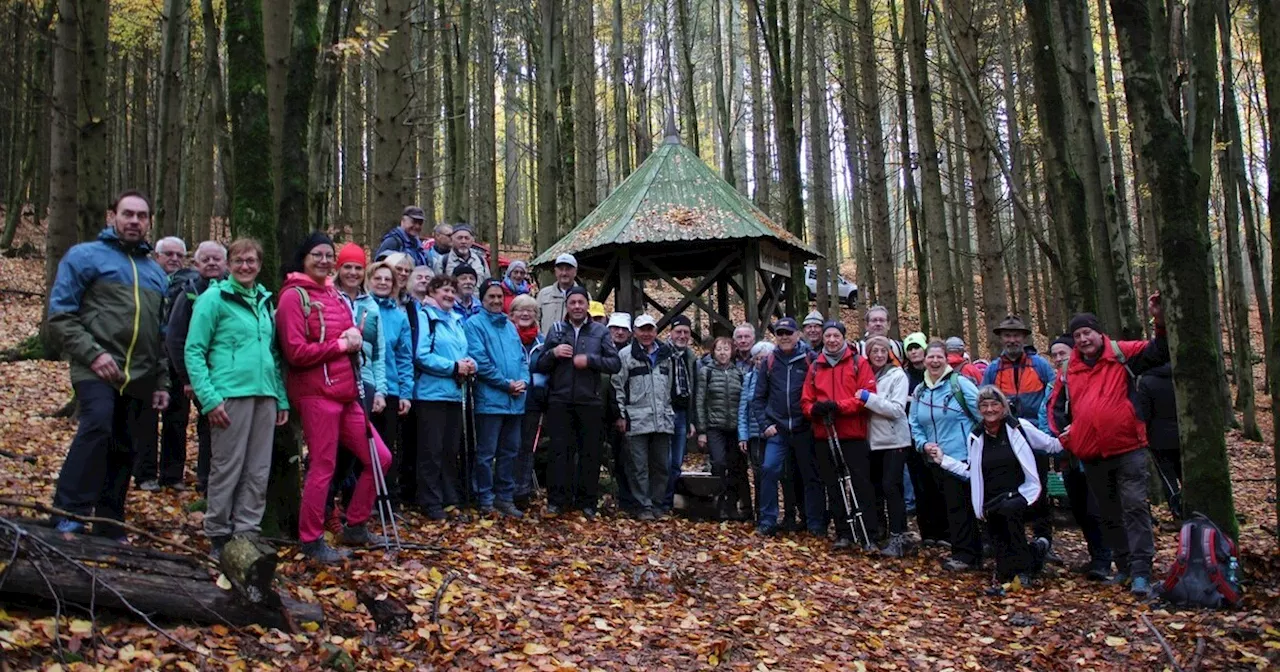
x,y
442,367
380,281
502,381
943,412
234,369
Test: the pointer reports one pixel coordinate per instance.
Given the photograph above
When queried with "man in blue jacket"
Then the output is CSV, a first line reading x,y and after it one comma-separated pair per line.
x,y
404,238
779,382
105,316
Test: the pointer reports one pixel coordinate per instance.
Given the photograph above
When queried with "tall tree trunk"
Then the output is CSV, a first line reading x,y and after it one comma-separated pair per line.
x,y
457,59
877,182
622,125
390,119
512,192
962,244
909,163
1185,267
550,62
942,276
216,125
339,22
1014,132
64,229
585,142
644,132
995,301
853,144
684,64
1269,42
171,56
253,211
294,215
819,185
278,29
34,123
761,173
1120,249
724,123
93,119
486,135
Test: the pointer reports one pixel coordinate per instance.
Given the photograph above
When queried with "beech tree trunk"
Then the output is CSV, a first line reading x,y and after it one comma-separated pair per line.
x,y
167,206
394,102
761,173
295,168
622,125
1185,267
486,139
819,169
684,66
877,182
94,120
1269,41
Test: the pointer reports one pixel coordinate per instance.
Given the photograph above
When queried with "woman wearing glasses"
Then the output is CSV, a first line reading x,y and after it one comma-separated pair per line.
x,y
318,340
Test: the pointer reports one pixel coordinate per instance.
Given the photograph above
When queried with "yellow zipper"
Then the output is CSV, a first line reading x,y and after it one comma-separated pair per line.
x,y
137,320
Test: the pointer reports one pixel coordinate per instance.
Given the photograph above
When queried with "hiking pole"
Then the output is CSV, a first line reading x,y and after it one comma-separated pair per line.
x,y
467,436
845,481
537,436
382,496
1175,494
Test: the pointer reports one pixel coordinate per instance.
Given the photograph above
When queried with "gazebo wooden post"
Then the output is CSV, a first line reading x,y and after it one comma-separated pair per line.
x,y
722,298
749,286
625,300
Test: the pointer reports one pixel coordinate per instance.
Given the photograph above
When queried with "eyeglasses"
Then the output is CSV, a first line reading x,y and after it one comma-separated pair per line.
x,y
250,261
322,256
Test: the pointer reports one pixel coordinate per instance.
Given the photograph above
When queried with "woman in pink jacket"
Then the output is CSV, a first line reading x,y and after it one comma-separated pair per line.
x,y
319,341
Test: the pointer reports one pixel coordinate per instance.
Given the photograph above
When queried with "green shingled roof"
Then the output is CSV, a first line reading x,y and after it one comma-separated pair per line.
x,y
673,197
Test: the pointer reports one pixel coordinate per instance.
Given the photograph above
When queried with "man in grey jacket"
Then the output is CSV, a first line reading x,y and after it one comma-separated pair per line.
x,y
643,386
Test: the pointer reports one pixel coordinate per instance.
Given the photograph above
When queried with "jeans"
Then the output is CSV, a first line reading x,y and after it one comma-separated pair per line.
x,y
886,471
573,476
497,445
679,442
776,450
908,489
1120,484
440,442
240,467
647,471
94,480
172,444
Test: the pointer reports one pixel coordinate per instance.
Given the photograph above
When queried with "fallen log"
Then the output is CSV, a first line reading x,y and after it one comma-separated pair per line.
x,y
92,572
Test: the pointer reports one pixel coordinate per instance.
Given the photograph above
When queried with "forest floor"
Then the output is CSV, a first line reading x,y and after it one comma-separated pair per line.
x,y
620,594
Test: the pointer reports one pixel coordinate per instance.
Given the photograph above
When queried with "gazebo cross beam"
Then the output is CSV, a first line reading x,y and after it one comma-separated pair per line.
x,y
690,297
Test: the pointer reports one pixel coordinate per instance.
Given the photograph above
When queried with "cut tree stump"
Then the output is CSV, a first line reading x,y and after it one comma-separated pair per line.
x,y
153,582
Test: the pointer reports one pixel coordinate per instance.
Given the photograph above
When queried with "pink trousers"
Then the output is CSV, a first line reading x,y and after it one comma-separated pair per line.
x,y
326,424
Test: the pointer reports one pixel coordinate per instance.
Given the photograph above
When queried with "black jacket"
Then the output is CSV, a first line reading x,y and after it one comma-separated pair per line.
x,y
175,335
1157,407
567,385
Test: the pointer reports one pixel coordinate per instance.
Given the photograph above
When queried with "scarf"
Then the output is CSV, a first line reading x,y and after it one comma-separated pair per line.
x,y
931,382
834,358
516,289
528,334
680,386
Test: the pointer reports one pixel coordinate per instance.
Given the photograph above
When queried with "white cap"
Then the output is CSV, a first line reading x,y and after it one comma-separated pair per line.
x,y
567,258
645,321
620,320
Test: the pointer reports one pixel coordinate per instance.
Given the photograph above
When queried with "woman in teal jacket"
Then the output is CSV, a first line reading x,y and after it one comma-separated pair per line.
x,y
502,380
943,412
234,370
380,281
442,367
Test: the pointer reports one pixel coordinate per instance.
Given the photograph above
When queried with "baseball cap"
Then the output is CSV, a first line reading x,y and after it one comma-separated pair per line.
x,y
915,339
645,320
414,212
567,259
785,324
595,309
681,321
620,320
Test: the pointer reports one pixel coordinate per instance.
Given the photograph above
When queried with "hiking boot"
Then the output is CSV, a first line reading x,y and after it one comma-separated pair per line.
x,y
359,535
944,544
1041,548
589,513
176,487
1120,579
1025,580
646,515
149,486
320,552
954,565
896,547
215,546
870,548
484,510
508,509
553,510
842,544
1140,587
766,530
67,526
1098,571
435,514
1051,557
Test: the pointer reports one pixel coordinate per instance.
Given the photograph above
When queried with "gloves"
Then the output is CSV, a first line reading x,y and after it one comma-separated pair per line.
x,y
1011,504
823,409
864,395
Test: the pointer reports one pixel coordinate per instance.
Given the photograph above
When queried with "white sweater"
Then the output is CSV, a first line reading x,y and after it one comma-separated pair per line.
x,y
1022,444
888,427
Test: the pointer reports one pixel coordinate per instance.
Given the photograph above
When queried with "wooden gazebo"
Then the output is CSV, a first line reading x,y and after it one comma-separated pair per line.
x,y
674,218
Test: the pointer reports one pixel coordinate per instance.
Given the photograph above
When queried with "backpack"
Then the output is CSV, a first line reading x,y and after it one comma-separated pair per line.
x,y
956,392
1062,374
412,314
1203,575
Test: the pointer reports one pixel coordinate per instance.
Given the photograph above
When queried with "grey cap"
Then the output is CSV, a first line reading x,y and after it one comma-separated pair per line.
x,y
955,344
814,317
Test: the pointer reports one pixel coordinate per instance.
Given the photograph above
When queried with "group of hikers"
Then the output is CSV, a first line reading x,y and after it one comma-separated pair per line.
x,y
469,391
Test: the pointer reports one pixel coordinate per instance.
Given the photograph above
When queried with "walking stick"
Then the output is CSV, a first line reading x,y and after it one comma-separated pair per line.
x,y
468,435
845,481
382,497
537,436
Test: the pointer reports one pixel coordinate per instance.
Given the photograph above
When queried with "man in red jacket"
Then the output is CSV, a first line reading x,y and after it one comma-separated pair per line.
x,y
834,397
1096,399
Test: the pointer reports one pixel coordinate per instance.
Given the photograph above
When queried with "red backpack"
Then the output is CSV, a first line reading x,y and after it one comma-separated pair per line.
x,y
1204,573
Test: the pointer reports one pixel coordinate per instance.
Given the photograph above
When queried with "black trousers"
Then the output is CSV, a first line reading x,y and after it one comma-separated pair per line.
x,y
857,458
886,469
966,541
1012,552
729,464
204,448
94,480
577,437
439,454
387,425
171,444
1084,508
931,506
1040,513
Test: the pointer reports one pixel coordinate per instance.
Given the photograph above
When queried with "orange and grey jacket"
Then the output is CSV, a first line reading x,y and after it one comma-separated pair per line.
x,y
108,297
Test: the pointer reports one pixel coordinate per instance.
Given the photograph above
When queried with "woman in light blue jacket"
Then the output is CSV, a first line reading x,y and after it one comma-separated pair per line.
x,y
502,381
751,426
442,368
380,281
943,411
